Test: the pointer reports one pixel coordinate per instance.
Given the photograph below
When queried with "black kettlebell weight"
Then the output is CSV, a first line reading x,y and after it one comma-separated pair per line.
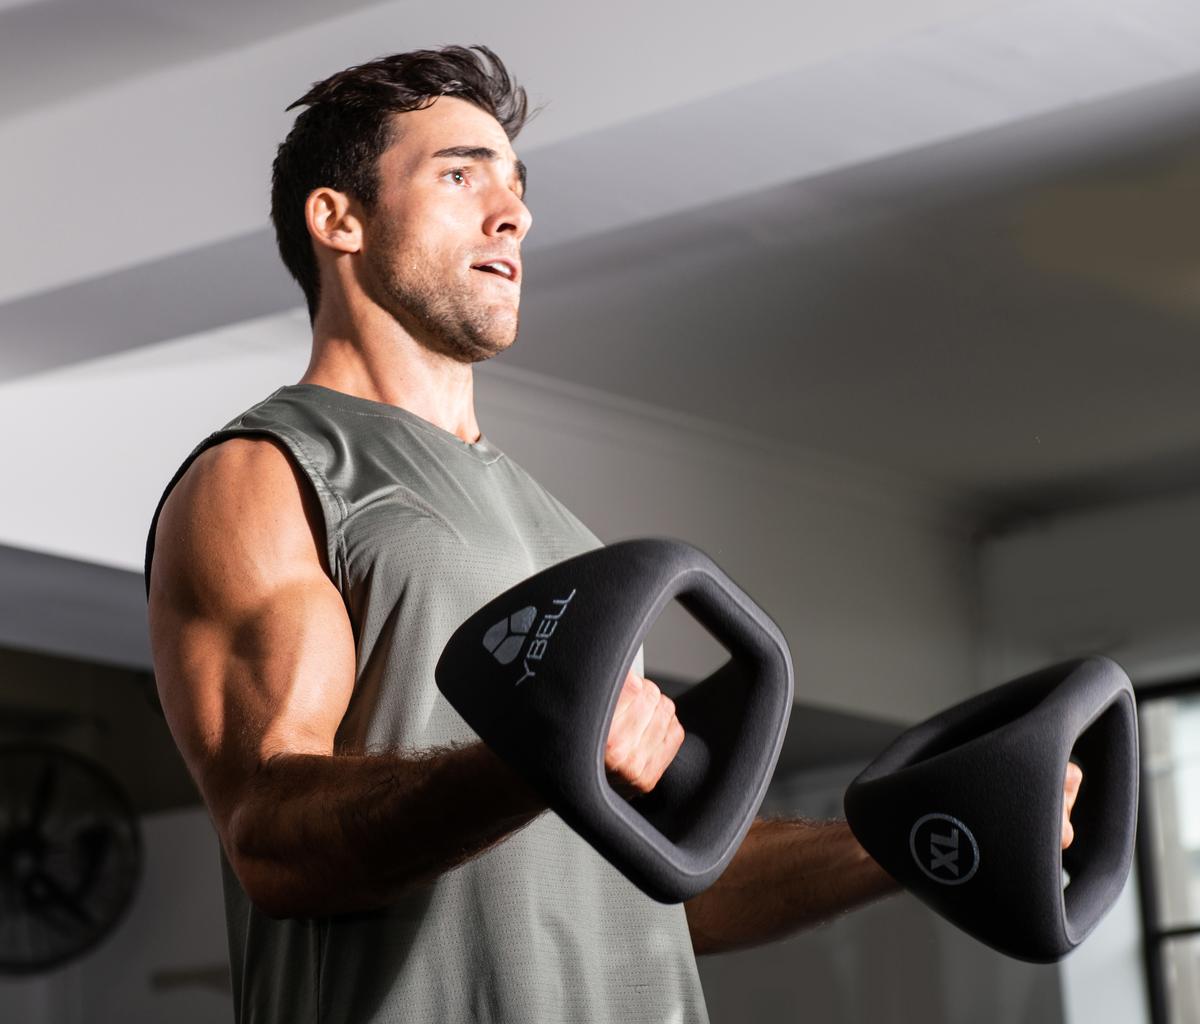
x,y
965,809
537,672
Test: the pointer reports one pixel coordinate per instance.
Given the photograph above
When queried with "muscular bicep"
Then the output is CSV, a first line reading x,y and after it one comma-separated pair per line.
x,y
253,650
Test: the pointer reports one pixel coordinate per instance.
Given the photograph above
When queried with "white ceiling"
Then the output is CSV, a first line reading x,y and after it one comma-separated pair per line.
x,y
53,50
952,239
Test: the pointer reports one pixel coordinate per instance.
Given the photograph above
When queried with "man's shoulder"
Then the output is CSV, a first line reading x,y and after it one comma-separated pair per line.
x,y
248,481
239,464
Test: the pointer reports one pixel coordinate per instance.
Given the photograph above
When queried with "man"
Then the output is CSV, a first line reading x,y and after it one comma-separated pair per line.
x,y
307,564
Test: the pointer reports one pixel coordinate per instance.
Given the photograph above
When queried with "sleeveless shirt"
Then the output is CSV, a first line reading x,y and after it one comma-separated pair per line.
x,y
421,529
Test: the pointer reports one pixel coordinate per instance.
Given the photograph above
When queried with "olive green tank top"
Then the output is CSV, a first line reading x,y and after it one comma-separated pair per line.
x,y
421,529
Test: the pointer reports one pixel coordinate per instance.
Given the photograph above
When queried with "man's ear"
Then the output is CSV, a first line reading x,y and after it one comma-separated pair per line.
x,y
333,220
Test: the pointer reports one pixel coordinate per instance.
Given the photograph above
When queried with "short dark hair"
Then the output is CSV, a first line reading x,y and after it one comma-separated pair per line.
x,y
337,141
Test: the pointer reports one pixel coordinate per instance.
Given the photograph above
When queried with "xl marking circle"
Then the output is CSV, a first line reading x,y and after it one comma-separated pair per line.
x,y
944,849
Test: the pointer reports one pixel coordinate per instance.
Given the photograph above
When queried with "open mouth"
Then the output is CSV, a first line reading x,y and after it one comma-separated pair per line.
x,y
498,268
495,273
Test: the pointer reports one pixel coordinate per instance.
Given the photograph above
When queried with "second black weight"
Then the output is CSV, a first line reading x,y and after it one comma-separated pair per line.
x,y
965,809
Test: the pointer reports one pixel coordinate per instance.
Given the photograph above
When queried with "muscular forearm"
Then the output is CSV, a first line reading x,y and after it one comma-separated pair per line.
x,y
787,875
320,835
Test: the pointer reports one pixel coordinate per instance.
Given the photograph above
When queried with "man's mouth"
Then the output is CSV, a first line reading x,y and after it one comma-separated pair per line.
x,y
500,268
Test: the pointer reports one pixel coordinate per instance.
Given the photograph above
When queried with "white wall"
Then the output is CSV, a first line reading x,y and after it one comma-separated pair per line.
x,y
1119,581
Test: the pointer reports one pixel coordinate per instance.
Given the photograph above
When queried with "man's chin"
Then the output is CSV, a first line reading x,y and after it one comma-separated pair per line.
x,y
475,349
486,352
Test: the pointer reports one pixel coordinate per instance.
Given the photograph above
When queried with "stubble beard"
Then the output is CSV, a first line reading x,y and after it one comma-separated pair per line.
x,y
449,318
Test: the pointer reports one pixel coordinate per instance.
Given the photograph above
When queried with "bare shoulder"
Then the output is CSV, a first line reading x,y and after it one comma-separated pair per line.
x,y
242,513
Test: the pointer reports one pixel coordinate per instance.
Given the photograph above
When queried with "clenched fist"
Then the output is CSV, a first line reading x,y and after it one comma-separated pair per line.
x,y
644,738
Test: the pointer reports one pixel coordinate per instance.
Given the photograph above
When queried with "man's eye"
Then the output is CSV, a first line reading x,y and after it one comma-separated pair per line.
x,y
459,172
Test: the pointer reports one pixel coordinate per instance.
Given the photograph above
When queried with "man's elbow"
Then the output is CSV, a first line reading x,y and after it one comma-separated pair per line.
x,y
270,885
284,889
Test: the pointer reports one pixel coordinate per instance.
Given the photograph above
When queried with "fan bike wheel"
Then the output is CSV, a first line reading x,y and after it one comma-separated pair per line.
x,y
70,856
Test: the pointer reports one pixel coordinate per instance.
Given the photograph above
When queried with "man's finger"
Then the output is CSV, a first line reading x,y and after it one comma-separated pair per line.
x,y
648,728
627,699
1071,785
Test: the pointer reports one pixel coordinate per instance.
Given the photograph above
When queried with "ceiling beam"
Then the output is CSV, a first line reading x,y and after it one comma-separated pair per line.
x,y
74,609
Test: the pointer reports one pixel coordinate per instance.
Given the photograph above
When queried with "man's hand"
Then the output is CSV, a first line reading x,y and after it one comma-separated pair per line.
x,y
1071,786
644,738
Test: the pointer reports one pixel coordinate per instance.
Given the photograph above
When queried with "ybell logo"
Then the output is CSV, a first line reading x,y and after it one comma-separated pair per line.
x,y
507,637
944,849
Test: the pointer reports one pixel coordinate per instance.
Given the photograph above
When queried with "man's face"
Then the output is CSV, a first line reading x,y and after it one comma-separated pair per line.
x,y
438,218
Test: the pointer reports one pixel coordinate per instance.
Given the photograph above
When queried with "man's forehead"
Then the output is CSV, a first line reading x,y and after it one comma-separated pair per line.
x,y
446,123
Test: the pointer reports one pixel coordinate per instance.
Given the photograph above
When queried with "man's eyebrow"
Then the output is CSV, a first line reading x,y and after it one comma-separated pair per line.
x,y
479,153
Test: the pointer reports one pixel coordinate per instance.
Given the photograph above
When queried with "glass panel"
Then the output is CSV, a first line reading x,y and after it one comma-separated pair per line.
x,y
1170,737
1181,973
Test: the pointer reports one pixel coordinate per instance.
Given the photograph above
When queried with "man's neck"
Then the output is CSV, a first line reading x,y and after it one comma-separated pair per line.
x,y
429,385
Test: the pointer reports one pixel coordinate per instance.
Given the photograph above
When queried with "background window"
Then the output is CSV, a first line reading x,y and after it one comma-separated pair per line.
x,y
1169,850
